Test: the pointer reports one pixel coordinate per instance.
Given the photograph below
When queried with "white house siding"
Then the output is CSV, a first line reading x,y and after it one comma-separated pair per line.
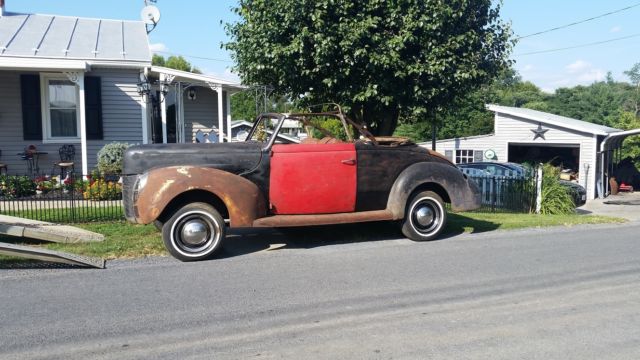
x,y
201,113
515,130
120,110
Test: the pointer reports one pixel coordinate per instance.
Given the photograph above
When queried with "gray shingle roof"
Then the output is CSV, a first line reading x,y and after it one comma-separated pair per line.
x,y
64,37
551,119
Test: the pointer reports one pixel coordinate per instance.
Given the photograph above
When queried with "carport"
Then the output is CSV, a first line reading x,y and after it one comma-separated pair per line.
x,y
610,154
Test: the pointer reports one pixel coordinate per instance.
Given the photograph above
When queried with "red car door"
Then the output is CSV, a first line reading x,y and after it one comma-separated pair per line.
x,y
313,178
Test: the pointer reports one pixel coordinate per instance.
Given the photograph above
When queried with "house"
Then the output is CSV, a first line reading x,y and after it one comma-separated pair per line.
x,y
524,135
88,82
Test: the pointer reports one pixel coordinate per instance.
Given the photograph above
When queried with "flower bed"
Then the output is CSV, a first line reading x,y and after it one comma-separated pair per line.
x,y
73,187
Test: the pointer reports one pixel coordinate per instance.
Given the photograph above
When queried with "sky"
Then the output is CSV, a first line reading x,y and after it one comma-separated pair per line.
x,y
194,29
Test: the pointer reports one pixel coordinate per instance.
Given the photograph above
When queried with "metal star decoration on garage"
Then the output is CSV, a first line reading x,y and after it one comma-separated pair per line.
x,y
539,132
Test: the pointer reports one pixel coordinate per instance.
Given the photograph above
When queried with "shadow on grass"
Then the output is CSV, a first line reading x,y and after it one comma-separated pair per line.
x,y
458,224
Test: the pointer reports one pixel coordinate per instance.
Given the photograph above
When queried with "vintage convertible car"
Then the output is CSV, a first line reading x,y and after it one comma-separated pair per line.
x,y
193,192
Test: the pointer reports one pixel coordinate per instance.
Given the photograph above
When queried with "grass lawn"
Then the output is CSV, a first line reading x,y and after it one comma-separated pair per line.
x,y
125,240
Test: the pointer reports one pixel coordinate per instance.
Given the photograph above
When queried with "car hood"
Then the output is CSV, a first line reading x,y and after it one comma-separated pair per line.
x,y
232,157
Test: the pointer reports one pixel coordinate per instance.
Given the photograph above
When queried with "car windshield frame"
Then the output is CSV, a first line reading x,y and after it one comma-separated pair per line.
x,y
303,118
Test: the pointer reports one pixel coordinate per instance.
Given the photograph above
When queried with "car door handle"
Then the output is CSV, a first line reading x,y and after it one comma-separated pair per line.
x,y
349,162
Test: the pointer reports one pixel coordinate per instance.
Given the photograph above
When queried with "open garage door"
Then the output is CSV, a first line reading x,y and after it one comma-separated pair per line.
x,y
566,156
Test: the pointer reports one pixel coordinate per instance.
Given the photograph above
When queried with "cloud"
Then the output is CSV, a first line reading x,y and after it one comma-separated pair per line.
x,y
584,72
616,29
578,66
158,47
580,72
528,67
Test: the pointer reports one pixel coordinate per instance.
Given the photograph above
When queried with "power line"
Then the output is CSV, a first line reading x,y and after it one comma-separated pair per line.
x,y
194,57
579,46
579,22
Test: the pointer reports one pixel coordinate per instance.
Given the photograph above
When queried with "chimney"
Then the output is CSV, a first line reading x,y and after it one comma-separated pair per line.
x,y
1,8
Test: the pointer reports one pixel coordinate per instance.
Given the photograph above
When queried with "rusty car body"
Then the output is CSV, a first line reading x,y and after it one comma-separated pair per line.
x,y
193,192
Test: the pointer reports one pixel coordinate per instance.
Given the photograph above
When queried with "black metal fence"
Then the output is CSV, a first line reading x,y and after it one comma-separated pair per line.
x,y
75,198
72,198
506,194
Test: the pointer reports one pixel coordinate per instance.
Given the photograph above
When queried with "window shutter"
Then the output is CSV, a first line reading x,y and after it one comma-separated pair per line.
x,y
478,156
93,107
449,155
31,107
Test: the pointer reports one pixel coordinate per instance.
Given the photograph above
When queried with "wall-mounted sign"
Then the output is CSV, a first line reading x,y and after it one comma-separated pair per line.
x,y
490,154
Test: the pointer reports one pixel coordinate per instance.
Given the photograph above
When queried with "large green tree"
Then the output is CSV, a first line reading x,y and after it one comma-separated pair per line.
x,y
378,58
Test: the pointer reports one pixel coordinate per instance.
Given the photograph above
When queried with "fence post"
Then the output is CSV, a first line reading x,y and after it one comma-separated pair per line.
x,y
539,190
494,193
73,196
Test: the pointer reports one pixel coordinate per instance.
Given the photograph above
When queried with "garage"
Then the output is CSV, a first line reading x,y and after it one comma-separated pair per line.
x,y
529,136
565,156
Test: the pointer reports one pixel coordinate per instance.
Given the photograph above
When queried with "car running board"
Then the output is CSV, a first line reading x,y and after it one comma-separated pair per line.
x,y
323,219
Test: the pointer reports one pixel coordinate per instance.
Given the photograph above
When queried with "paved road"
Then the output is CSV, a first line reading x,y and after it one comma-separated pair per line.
x,y
569,293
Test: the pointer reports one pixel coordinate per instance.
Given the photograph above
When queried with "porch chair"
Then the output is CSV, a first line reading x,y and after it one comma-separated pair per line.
x,y
67,154
3,166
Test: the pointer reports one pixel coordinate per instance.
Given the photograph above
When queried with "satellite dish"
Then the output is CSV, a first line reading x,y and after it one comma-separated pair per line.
x,y
150,15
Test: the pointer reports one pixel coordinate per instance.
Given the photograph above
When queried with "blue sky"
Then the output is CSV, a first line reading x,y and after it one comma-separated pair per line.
x,y
193,28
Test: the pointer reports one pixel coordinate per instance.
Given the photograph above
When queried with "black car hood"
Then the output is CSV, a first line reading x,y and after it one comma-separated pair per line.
x,y
232,157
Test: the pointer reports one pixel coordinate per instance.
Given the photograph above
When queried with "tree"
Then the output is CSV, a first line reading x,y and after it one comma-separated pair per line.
x,y
174,62
377,58
634,76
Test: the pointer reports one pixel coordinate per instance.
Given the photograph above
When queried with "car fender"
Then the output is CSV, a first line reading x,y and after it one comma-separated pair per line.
x,y
462,192
243,199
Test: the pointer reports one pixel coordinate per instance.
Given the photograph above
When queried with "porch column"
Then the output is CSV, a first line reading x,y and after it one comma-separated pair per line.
x,y
163,109
77,78
83,125
143,112
220,114
228,105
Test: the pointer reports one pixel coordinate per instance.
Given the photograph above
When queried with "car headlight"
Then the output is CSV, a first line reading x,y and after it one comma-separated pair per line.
x,y
140,184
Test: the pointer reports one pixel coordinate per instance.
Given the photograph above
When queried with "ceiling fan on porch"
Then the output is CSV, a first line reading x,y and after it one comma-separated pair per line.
x,y
150,15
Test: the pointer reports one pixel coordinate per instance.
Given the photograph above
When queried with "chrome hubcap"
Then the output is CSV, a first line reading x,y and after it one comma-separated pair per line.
x,y
194,232
424,216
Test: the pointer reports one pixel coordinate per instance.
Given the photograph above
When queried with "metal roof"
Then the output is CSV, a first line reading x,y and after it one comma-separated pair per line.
x,y
65,37
556,120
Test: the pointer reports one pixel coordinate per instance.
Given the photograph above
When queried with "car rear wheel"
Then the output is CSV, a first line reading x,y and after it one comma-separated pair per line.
x,y
194,232
425,217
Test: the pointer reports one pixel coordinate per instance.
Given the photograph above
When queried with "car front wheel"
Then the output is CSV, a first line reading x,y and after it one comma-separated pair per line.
x,y
194,232
425,217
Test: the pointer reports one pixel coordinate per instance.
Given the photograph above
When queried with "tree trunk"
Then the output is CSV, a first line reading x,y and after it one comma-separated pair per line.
x,y
380,120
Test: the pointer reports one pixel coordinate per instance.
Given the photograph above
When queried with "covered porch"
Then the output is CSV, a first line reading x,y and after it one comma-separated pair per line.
x,y
179,104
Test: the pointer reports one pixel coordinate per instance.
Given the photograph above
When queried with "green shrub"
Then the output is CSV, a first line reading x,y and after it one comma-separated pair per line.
x,y
110,158
12,187
556,198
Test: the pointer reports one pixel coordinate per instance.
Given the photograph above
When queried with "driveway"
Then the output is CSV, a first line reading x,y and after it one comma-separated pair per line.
x,y
623,205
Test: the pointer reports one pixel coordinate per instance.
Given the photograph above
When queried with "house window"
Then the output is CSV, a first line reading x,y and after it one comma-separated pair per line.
x,y
464,156
61,121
